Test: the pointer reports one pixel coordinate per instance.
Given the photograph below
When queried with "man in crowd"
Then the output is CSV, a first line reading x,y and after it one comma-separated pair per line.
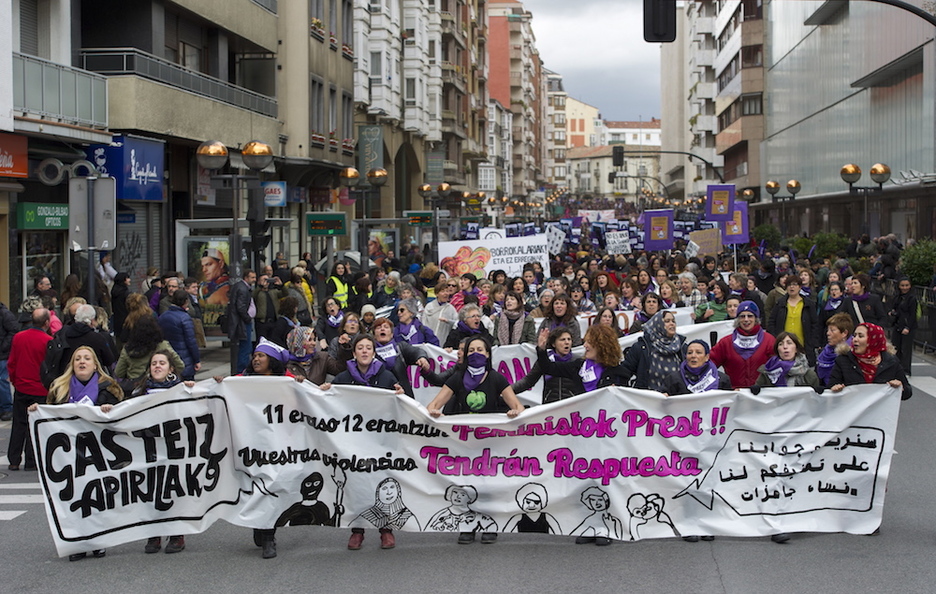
x,y
241,310
26,355
8,327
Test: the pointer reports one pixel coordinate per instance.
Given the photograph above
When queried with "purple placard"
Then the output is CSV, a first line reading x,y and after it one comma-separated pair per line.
x,y
719,202
736,230
658,229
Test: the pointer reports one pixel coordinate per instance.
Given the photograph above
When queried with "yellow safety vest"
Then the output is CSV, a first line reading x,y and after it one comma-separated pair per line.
x,y
341,292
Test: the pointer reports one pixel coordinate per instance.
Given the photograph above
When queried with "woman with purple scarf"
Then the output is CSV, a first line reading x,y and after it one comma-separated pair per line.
x,y
306,361
513,325
469,324
364,369
862,305
788,366
600,367
696,374
411,329
476,387
838,334
329,323
555,388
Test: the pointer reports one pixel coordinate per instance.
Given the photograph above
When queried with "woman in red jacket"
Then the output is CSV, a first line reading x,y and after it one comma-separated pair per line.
x,y
743,351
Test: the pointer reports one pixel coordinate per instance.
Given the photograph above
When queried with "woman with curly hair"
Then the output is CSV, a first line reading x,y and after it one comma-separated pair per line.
x,y
599,368
562,314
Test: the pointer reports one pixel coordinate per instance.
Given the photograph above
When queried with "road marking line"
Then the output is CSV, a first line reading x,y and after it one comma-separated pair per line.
x,y
927,384
10,515
21,499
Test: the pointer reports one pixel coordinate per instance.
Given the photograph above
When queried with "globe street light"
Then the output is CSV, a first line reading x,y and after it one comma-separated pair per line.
x,y
213,155
851,173
772,187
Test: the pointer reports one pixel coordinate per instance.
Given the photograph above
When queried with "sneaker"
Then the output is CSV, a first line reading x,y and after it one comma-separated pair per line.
x,y
692,538
707,538
6,416
584,540
356,540
98,553
269,548
153,545
488,538
13,467
77,556
176,544
780,538
387,541
466,537
602,541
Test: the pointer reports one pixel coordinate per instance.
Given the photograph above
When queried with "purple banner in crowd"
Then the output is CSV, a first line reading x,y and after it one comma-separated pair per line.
x,y
658,229
736,229
719,202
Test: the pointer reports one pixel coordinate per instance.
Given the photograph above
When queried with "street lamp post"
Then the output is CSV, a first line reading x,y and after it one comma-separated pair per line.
x,y
772,187
851,173
213,155
348,177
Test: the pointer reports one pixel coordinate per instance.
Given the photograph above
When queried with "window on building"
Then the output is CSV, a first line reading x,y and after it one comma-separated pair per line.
x,y
376,64
347,115
410,95
347,22
730,71
333,16
316,9
317,106
752,104
432,51
752,9
560,136
752,56
333,111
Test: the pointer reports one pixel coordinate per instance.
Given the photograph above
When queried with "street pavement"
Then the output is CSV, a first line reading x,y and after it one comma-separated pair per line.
x,y
315,559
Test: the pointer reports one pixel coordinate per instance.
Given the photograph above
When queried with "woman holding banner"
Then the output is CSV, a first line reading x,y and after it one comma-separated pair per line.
x,y
562,314
397,355
656,354
84,382
870,361
742,352
513,325
599,368
696,374
788,366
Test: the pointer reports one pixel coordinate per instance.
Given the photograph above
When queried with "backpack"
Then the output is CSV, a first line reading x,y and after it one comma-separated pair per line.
x,y
51,366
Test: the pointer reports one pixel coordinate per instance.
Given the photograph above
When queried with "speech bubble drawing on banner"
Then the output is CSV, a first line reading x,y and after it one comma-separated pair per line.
x,y
793,472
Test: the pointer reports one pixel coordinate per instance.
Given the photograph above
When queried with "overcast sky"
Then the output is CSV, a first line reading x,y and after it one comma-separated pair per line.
x,y
598,48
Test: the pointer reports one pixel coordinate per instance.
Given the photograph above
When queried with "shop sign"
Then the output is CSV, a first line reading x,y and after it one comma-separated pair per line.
x,y
274,193
137,164
13,156
47,217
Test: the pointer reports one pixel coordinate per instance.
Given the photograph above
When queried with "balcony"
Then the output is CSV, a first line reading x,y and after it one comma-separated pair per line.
x,y
703,26
134,62
268,4
59,93
706,90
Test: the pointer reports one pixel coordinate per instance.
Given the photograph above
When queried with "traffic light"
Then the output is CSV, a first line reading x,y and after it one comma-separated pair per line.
x,y
611,176
617,155
660,20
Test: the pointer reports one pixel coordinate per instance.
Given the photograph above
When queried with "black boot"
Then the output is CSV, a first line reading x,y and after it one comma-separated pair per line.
x,y
268,542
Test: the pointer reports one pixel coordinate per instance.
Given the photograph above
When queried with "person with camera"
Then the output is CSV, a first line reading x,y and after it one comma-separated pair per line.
x,y
267,295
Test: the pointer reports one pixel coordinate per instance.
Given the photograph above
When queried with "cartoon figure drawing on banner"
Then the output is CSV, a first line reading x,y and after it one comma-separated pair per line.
x,y
648,520
532,500
388,510
459,517
599,526
310,511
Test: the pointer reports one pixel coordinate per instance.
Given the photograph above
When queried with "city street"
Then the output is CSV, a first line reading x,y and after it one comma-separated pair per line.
x,y
224,559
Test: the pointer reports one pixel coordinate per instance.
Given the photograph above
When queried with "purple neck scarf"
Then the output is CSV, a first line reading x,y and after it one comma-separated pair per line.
x,y
832,304
387,352
591,374
369,373
777,370
860,298
335,321
477,367
466,329
78,391
699,379
747,344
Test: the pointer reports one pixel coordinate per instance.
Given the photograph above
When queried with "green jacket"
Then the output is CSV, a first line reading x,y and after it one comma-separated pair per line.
x,y
136,367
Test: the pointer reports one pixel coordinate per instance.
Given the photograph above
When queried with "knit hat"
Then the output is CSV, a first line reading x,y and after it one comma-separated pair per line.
x,y
273,350
704,344
748,306
368,309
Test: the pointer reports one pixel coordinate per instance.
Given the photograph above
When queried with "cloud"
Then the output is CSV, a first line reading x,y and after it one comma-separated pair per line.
x,y
598,48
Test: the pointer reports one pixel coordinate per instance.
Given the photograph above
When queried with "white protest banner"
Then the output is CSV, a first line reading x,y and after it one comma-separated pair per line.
x,y
597,216
482,256
619,463
618,242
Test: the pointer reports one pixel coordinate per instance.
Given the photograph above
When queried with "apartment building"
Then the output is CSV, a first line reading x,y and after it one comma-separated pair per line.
x,y
581,118
554,163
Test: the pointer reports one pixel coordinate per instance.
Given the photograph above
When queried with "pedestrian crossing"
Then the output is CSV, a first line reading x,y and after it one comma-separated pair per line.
x,y
18,495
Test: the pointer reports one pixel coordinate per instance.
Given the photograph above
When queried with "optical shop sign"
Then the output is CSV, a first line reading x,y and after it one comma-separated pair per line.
x,y
616,462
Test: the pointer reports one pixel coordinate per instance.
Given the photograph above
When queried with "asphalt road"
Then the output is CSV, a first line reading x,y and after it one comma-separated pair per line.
x,y
315,559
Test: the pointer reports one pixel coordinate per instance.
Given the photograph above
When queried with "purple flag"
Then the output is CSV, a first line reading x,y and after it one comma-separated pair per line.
x,y
658,229
719,202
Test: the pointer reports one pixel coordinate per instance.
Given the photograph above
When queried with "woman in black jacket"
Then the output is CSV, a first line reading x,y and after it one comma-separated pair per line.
x,y
599,368
696,374
119,294
396,355
555,388
791,302
862,305
469,324
365,369
656,354
903,317
869,362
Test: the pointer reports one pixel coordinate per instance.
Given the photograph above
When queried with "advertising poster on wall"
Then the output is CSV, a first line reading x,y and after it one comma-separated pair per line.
x,y
207,260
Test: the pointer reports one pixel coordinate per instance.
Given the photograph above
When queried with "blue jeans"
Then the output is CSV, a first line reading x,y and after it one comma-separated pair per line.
x,y
245,349
6,392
